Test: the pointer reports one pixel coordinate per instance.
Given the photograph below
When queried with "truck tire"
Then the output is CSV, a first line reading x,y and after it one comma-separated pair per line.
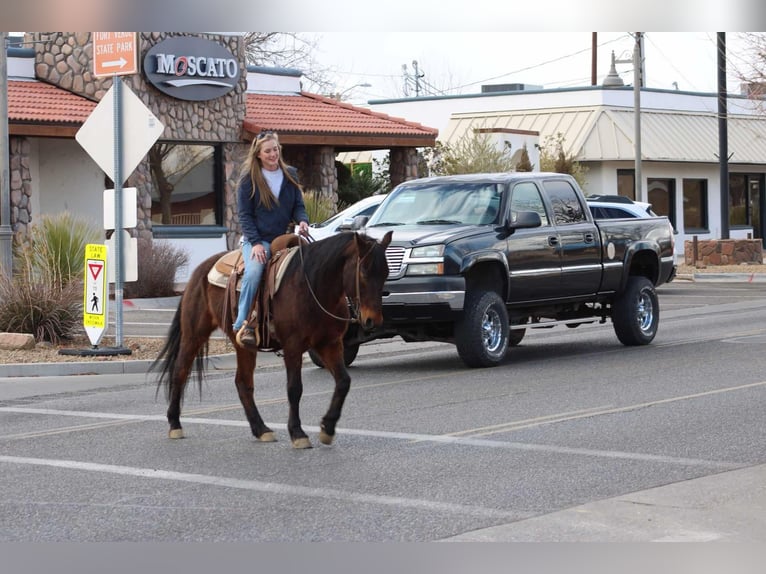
x,y
636,313
481,335
515,336
350,351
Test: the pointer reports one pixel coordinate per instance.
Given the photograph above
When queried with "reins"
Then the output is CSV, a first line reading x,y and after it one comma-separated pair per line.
x,y
354,305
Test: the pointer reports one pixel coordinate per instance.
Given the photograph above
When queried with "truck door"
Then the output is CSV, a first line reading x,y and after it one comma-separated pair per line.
x,y
580,242
533,254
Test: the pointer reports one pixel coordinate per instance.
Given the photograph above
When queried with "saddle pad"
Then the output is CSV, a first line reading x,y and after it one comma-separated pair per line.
x,y
215,277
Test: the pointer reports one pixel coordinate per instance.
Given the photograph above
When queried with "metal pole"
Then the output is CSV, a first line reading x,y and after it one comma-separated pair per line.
x,y
6,232
640,196
723,136
118,267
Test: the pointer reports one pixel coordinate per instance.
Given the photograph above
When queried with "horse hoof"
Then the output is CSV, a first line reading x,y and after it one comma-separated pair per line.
x,y
267,437
176,433
325,438
301,443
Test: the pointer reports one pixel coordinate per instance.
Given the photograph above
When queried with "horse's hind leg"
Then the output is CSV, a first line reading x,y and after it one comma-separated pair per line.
x,y
178,379
332,357
246,391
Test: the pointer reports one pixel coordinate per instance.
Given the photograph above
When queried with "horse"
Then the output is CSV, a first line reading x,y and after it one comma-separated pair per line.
x,y
331,283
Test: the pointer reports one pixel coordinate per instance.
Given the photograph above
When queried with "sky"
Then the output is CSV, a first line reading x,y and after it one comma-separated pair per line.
x,y
461,62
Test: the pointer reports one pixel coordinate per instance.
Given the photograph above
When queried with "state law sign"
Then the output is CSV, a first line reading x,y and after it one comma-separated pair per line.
x,y
96,299
114,53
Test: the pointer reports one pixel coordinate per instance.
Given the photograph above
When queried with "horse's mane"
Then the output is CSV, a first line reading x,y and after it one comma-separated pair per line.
x,y
321,254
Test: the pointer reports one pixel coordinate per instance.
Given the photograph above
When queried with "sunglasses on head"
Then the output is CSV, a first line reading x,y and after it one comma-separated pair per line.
x,y
264,134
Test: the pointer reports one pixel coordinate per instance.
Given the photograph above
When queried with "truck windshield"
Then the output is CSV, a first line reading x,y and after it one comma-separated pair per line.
x,y
475,203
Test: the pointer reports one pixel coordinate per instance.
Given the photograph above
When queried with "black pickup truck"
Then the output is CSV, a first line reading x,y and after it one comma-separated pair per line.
x,y
478,259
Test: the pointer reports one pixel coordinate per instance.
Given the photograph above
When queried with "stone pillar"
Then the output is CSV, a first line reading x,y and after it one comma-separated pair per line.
x,y
403,165
20,188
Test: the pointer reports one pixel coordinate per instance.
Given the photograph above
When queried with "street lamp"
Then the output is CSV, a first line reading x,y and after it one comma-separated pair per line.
x,y
342,95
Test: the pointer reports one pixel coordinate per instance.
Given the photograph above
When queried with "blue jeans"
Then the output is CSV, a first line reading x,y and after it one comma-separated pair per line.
x,y
251,278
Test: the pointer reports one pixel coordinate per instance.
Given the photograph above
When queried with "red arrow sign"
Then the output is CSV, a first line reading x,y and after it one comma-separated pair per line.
x,y
95,269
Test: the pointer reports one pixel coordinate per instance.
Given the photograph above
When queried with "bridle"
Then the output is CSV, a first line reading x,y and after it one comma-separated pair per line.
x,y
354,305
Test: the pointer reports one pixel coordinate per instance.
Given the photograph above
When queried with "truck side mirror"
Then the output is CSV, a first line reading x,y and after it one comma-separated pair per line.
x,y
359,222
524,220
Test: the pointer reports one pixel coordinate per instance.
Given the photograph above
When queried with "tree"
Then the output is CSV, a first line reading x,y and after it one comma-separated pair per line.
x,y
524,162
554,158
474,152
288,50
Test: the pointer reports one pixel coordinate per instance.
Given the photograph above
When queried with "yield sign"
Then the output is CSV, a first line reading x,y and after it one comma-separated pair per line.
x,y
95,269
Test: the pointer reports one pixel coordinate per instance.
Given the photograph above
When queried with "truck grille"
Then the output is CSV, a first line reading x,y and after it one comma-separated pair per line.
x,y
394,258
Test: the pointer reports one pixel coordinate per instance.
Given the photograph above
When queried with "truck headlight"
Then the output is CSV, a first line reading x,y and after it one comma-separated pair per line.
x,y
427,251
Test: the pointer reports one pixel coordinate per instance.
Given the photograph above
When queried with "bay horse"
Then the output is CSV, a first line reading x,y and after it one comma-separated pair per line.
x,y
329,284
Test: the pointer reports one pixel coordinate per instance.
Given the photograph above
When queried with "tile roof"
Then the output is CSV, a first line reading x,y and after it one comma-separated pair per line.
x,y
307,113
298,118
32,101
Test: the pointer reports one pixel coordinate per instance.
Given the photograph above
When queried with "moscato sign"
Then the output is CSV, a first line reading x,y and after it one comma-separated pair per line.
x,y
191,68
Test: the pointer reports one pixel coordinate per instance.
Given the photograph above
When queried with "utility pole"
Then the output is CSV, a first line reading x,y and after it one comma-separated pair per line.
x,y
6,232
723,136
593,58
637,83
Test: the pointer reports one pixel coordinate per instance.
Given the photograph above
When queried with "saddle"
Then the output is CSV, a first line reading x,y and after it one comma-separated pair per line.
x,y
227,273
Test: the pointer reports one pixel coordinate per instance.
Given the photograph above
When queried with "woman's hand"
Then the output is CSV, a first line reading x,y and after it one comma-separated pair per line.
x,y
258,252
303,229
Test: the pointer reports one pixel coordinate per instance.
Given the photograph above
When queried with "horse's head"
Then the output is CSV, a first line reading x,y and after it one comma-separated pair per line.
x,y
364,276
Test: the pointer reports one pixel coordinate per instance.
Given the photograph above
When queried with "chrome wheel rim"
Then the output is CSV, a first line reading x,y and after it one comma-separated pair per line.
x,y
491,331
645,312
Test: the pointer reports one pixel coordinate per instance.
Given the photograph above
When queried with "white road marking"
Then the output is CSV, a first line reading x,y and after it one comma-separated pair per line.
x,y
272,487
411,437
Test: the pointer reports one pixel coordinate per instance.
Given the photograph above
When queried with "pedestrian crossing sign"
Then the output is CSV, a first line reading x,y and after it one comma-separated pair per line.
x,y
96,298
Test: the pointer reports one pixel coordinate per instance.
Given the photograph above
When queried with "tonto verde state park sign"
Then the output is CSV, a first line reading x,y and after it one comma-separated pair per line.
x,y
191,68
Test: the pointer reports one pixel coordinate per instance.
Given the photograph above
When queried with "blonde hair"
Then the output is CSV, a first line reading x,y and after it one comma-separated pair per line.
x,y
252,168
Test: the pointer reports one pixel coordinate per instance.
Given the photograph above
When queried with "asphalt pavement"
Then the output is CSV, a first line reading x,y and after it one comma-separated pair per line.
x,y
728,506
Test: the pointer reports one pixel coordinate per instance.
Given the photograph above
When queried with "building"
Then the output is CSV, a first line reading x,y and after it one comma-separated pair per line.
x,y
680,170
211,105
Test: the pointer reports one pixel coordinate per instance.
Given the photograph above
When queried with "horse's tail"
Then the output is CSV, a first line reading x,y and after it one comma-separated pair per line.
x,y
167,359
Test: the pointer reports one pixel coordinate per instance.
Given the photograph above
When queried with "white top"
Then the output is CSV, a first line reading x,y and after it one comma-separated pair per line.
x,y
274,179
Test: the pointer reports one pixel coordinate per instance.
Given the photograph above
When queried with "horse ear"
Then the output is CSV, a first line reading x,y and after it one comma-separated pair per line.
x,y
387,238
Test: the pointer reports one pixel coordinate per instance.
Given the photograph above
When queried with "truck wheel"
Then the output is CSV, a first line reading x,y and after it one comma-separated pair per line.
x,y
636,312
350,351
481,335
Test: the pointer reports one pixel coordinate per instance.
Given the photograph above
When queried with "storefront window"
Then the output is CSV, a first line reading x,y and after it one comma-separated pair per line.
x,y
661,194
185,180
695,204
626,183
737,200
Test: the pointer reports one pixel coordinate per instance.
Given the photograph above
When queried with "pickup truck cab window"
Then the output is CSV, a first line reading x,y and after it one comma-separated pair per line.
x,y
567,208
526,197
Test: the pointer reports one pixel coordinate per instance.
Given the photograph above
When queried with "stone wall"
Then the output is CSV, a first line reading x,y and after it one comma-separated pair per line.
x,y
724,252
403,165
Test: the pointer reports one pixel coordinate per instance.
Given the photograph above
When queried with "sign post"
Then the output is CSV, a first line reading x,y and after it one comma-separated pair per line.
x,y
116,54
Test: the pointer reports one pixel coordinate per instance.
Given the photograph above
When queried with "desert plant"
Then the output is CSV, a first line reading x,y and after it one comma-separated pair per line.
x,y
35,300
55,248
158,263
318,206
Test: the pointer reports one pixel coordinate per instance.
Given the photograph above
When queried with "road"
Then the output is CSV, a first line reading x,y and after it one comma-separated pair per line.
x,y
426,449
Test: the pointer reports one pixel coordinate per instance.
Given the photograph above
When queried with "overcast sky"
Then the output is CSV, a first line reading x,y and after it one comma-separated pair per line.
x,y
460,62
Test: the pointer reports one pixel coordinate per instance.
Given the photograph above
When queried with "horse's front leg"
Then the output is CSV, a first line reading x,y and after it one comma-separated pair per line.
x,y
246,391
332,357
293,364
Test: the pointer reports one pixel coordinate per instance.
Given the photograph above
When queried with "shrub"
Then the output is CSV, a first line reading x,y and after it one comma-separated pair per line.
x,y
44,294
158,263
55,248
318,207
35,300
361,184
